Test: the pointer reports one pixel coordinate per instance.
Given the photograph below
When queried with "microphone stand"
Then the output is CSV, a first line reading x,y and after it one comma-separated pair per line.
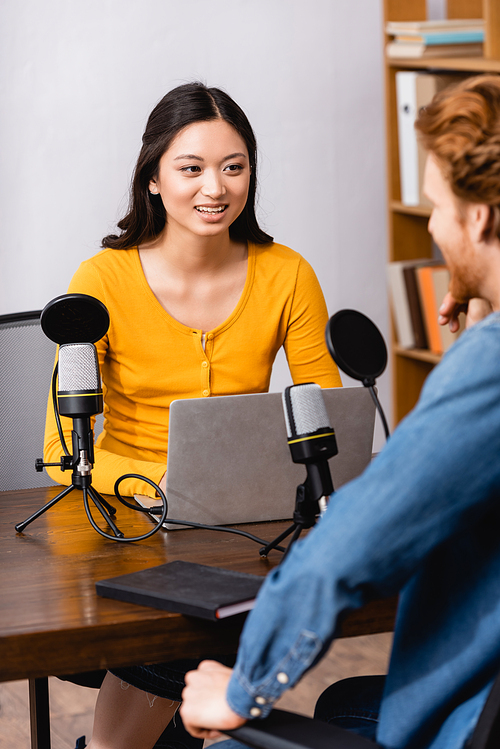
x,y
310,501
369,382
81,462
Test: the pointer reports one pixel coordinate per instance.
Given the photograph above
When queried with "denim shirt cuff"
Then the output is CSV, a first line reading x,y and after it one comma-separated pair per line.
x,y
256,700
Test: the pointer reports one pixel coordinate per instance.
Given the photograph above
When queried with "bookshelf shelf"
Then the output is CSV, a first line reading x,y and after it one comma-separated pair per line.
x,y
408,235
474,65
417,353
412,210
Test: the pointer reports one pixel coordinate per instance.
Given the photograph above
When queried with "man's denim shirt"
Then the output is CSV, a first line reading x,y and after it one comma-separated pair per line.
x,y
423,519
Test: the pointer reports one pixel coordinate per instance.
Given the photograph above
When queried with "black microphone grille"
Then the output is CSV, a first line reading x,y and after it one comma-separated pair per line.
x,y
305,410
78,367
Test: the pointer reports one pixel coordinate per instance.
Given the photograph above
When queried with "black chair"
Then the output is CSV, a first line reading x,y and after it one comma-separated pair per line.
x,y
27,358
286,730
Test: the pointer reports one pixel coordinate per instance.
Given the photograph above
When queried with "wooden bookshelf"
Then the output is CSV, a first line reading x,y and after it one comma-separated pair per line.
x,y
408,235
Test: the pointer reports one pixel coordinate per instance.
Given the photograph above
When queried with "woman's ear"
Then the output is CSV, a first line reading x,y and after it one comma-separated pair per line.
x,y
153,187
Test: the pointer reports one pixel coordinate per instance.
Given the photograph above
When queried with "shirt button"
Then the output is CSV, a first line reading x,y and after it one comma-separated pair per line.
x,y
210,336
205,392
260,700
204,364
255,712
282,677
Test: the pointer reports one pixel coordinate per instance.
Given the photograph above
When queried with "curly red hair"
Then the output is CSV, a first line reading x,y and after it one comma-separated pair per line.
x,y
461,127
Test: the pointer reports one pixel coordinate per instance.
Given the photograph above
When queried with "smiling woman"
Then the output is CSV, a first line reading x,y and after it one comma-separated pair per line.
x,y
200,301
200,297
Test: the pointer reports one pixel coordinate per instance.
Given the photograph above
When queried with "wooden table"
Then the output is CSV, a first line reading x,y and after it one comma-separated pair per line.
x,y
52,622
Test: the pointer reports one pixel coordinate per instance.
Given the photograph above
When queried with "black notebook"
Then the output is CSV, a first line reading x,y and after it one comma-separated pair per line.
x,y
186,588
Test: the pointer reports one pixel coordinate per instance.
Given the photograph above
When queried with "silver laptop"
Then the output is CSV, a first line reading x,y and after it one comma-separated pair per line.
x,y
229,461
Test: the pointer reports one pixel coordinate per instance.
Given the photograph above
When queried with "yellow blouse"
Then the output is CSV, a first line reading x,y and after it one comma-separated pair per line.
x,y
148,359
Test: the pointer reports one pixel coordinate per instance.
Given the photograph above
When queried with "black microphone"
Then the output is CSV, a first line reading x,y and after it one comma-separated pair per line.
x,y
311,438
312,442
76,322
79,396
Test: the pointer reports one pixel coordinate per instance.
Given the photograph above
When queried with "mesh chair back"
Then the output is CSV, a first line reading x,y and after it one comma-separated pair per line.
x,y
27,359
26,363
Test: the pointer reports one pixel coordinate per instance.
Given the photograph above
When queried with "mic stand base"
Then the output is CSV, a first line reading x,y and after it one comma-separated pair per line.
x,y
266,549
88,491
306,512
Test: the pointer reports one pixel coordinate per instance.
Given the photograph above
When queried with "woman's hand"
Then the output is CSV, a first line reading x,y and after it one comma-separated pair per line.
x,y
450,309
204,705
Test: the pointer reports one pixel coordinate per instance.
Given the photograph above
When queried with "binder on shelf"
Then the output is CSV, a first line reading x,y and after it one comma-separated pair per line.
x,y
408,106
413,91
441,281
433,282
430,308
414,303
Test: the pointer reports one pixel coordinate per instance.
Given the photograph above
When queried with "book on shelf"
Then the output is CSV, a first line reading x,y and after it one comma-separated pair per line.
x,y
444,25
447,38
435,38
416,317
186,588
413,91
416,291
433,282
400,50
405,303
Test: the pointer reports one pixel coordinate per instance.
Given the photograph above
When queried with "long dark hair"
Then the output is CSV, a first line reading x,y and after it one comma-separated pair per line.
x,y
184,105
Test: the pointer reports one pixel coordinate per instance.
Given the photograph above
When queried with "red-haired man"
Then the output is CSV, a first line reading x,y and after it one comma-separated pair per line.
x,y
422,521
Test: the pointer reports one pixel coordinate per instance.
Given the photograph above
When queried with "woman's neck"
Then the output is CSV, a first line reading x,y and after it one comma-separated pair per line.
x,y
191,253
198,281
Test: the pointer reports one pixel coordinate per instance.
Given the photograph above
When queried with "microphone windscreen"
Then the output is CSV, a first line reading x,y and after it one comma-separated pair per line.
x,y
356,345
305,410
78,367
74,318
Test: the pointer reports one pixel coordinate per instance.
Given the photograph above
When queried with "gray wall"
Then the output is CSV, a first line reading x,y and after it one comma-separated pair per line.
x,y
80,77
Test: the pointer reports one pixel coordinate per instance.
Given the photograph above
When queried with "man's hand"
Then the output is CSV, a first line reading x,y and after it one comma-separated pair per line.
x,y
450,309
449,312
204,707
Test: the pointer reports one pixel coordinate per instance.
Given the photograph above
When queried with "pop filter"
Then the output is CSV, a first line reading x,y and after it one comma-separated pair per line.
x,y
74,318
357,347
